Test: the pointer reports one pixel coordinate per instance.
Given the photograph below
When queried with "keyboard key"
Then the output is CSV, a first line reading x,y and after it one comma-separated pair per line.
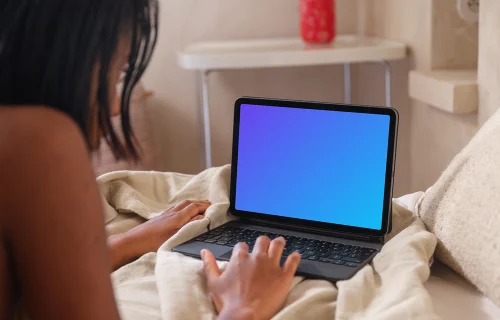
x,y
353,260
352,265
200,238
310,249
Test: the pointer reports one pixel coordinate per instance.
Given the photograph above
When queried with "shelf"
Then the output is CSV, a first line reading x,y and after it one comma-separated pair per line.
x,y
454,91
288,52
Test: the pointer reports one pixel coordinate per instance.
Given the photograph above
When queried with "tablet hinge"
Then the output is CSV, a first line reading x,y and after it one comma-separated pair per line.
x,y
319,231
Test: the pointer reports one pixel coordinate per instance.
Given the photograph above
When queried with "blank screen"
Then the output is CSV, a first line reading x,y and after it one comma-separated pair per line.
x,y
324,166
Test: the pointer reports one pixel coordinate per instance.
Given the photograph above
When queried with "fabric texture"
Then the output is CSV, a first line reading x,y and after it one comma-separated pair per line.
x,y
462,209
166,285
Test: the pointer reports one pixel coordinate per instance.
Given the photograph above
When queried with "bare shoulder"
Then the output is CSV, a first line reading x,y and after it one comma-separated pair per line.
x,y
39,149
35,128
51,213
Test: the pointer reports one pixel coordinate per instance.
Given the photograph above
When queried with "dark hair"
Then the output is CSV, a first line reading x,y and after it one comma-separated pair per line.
x,y
49,50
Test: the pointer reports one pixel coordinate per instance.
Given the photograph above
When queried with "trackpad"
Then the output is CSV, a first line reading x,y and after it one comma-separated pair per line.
x,y
194,248
226,256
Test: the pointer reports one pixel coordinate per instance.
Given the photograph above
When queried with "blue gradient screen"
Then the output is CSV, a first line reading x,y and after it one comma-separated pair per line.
x,y
324,166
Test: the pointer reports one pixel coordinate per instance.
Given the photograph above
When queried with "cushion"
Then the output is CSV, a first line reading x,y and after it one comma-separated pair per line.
x,y
463,210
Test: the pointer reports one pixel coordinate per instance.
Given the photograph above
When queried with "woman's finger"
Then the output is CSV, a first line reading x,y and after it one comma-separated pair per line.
x,y
210,267
291,264
191,211
261,245
196,218
186,203
276,249
240,252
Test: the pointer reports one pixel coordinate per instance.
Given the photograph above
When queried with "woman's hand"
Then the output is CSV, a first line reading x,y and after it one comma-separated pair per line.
x,y
254,286
149,236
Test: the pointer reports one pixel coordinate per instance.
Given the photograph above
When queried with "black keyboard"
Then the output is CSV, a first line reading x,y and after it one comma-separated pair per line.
x,y
310,249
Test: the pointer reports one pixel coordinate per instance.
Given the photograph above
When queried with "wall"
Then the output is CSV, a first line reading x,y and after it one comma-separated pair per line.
x,y
489,59
174,105
429,138
437,38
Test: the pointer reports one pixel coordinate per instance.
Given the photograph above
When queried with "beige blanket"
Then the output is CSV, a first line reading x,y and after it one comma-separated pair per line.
x,y
166,285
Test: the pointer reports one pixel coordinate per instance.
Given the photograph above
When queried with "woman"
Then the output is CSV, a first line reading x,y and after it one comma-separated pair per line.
x,y
60,62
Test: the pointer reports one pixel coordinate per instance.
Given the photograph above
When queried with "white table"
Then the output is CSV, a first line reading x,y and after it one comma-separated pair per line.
x,y
206,57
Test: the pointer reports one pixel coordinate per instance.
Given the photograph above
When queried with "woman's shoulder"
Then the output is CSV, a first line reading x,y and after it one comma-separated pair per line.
x,y
37,143
30,119
28,129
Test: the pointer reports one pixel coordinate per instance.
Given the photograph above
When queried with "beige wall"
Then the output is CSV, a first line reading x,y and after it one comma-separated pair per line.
x,y
436,36
489,63
185,21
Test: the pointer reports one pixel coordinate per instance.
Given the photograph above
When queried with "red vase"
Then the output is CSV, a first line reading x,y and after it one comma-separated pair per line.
x,y
317,21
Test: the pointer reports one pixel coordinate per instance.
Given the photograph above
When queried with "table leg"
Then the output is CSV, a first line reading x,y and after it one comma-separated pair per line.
x,y
388,84
347,83
204,111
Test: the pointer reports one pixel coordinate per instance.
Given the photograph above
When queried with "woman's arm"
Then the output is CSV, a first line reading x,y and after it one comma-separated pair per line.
x,y
53,218
149,236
